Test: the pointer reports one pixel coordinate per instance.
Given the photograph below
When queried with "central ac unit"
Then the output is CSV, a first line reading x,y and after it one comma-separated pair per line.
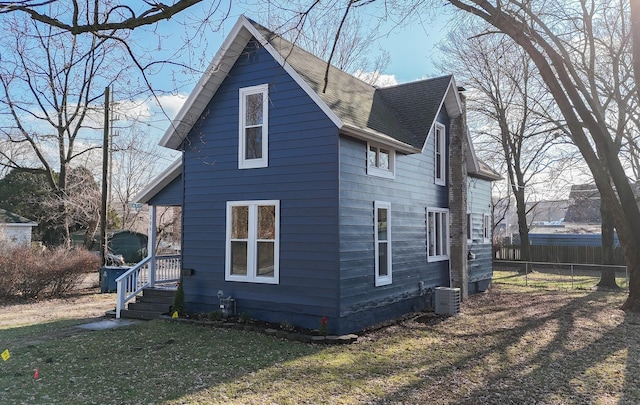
x,y
447,300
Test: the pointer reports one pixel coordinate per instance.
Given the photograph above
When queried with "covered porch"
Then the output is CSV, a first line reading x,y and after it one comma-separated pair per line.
x,y
157,275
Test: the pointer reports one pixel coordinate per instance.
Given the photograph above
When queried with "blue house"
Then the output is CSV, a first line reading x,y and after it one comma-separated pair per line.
x,y
307,195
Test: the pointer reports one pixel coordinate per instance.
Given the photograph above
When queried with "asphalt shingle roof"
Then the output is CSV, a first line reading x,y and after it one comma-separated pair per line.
x,y
404,112
7,217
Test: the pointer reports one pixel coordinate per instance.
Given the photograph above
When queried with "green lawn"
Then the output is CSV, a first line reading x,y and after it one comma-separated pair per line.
x,y
558,278
510,345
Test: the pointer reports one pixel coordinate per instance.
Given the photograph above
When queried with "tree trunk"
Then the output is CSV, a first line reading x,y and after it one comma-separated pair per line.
x,y
90,235
521,211
608,274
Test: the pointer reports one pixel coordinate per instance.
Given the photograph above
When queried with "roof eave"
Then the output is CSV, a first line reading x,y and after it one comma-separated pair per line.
x,y
378,137
160,182
482,174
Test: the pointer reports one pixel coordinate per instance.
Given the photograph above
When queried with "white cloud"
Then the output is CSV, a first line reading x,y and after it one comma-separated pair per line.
x,y
171,104
131,110
376,78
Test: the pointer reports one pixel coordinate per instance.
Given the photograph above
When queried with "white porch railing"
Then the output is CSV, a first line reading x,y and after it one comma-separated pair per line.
x,y
147,273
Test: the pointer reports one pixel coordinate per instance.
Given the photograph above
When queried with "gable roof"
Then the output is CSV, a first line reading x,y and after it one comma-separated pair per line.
x,y
160,182
400,116
9,218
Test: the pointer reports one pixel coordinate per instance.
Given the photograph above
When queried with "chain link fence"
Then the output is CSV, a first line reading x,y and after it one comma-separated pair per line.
x,y
564,276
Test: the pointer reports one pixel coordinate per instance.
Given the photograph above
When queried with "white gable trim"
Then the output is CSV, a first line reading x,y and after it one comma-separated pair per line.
x,y
452,102
207,86
225,58
160,182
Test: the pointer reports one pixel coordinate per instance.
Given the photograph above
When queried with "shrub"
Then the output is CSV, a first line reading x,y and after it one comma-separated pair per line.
x,y
29,273
178,300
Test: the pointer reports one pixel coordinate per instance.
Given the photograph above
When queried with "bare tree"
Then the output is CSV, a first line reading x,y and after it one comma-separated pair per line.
x,y
563,42
514,116
49,83
135,161
96,16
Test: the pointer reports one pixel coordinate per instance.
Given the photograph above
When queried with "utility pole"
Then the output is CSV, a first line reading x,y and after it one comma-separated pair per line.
x,y
114,117
105,175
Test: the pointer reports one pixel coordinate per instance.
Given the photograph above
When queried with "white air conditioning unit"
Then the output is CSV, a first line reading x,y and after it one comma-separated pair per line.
x,y
447,300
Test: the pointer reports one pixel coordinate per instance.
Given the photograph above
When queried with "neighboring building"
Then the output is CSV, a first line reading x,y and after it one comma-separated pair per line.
x,y
305,199
15,229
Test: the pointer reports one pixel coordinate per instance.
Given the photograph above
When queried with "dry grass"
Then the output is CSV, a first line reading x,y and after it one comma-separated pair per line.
x,y
512,345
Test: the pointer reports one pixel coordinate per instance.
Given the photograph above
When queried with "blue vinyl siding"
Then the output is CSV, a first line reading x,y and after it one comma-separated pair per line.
x,y
302,174
170,195
326,200
410,193
478,204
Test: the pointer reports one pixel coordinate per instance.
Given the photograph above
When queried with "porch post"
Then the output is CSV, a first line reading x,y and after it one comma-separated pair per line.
x,y
151,245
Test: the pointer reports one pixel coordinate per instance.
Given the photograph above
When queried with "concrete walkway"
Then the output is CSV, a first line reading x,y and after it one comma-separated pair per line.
x,y
108,324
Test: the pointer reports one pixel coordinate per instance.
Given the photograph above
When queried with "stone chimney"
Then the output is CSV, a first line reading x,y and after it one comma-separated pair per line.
x,y
458,201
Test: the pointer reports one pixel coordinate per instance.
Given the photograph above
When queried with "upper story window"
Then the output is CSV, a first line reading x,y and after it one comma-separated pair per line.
x,y
380,161
253,241
254,137
469,227
440,161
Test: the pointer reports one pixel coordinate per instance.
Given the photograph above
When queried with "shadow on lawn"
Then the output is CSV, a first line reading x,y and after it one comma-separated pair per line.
x,y
561,370
156,360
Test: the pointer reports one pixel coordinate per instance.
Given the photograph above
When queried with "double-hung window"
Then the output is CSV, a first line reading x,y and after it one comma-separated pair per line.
x,y
380,161
440,158
253,147
252,253
437,234
382,221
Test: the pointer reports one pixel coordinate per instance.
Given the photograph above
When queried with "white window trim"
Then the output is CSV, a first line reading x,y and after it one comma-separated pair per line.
x,y
264,160
378,172
439,132
469,227
486,227
382,280
444,238
251,276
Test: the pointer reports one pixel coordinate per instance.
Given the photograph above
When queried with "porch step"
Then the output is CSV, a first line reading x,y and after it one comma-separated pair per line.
x,y
150,305
145,315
